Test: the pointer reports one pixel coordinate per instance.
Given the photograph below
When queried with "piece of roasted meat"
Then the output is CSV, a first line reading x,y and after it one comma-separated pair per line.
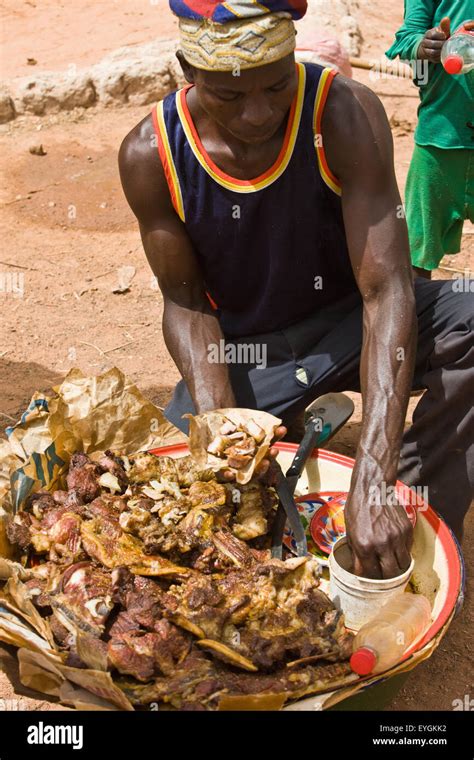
x,y
236,444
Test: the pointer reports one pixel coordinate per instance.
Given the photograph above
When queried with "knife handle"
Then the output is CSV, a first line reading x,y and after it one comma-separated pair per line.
x,y
315,433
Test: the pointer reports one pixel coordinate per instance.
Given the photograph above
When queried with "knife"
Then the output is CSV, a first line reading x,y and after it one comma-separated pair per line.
x,y
323,418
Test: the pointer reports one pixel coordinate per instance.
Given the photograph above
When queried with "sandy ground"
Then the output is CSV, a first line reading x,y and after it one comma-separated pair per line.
x,y
60,34
66,230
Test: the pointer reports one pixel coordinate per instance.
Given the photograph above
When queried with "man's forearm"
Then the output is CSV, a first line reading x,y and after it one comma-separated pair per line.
x,y
387,364
188,335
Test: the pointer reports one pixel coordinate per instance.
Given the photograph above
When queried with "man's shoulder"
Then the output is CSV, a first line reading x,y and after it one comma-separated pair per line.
x,y
355,130
140,143
138,158
141,172
349,100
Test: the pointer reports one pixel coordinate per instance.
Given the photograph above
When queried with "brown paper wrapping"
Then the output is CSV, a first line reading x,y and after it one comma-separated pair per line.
x,y
109,412
14,631
81,699
89,414
8,463
39,672
96,688
204,427
99,683
16,591
9,567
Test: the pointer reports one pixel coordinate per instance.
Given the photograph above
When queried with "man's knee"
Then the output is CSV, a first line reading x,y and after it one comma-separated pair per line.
x,y
459,296
460,333
463,304
448,338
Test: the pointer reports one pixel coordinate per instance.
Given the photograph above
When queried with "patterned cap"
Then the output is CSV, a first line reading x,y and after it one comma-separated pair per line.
x,y
238,35
222,13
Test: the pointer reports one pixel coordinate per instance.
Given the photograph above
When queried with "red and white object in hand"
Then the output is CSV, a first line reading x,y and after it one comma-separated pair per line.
x,y
457,53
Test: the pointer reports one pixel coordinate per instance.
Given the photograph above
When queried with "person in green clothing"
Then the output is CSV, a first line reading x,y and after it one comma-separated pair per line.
x,y
440,183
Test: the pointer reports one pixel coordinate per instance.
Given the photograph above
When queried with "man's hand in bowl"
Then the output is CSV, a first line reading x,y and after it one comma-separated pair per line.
x,y
380,537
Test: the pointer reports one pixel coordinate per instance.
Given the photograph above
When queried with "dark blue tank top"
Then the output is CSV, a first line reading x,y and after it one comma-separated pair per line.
x,y
272,250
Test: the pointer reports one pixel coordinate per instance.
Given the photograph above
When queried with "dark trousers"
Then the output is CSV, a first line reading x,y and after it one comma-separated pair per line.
x,y
322,353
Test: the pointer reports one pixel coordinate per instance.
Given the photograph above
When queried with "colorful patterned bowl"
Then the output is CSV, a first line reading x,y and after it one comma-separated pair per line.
x,y
328,525
308,506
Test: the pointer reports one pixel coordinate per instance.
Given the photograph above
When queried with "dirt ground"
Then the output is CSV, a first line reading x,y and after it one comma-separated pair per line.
x,y
66,230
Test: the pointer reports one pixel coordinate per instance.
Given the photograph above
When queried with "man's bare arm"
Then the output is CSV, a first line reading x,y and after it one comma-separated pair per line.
x,y
359,150
190,325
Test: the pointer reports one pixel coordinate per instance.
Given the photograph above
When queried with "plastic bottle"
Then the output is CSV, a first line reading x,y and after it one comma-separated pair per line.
x,y
457,53
381,642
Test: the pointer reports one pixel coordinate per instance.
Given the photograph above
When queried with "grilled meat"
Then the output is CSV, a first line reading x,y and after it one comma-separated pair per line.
x,y
255,512
58,533
143,654
146,467
18,530
189,472
106,505
206,495
83,477
114,465
104,541
236,445
84,599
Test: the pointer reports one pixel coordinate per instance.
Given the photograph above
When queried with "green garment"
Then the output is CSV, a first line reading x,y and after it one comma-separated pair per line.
x,y
439,197
447,101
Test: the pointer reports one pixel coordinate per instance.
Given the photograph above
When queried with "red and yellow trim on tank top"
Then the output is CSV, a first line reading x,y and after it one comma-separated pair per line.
x,y
325,81
269,176
171,176
166,156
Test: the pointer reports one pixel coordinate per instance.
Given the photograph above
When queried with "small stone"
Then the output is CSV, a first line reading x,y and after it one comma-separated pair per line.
x,y
51,204
7,108
37,150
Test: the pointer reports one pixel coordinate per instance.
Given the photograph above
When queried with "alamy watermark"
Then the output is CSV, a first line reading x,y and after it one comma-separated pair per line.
x,y
237,353
12,283
43,733
384,495
466,703
13,705
463,282
385,69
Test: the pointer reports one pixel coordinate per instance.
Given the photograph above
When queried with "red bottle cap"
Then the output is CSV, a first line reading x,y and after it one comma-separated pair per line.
x,y
453,64
363,661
